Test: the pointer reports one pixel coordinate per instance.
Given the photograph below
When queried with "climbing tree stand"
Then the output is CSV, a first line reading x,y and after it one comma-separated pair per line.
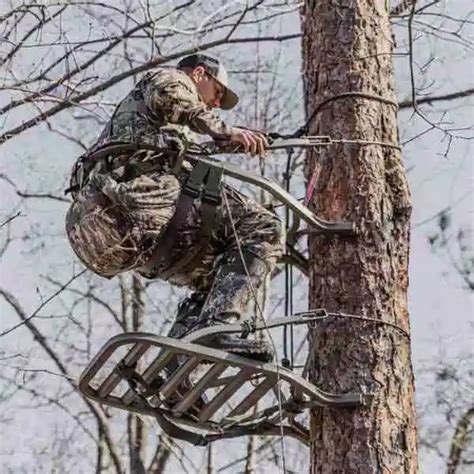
x,y
192,402
188,386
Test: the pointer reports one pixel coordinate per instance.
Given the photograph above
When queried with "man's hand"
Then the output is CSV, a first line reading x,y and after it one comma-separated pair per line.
x,y
252,142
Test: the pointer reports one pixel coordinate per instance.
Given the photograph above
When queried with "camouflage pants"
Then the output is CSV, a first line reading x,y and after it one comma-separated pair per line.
x,y
113,227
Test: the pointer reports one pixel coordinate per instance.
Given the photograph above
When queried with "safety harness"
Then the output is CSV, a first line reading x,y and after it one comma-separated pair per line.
x,y
203,183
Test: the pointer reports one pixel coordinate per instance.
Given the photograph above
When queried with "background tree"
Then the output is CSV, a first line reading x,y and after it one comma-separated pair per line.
x,y
450,379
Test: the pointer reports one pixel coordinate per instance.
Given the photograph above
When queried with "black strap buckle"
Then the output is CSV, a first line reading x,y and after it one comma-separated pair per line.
x,y
249,326
211,193
192,190
211,197
196,179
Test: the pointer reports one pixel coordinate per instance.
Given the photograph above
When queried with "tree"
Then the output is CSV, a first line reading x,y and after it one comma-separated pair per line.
x,y
350,94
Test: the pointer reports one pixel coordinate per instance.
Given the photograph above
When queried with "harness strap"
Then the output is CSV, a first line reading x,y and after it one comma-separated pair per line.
x,y
174,431
160,145
210,201
167,241
196,179
204,181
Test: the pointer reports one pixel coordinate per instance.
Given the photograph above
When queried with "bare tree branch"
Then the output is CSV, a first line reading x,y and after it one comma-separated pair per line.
x,y
161,456
437,98
28,195
41,340
402,7
75,100
52,401
27,319
41,23
459,441
9,219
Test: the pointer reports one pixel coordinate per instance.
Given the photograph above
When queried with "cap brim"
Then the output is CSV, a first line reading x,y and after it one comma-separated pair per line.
x,y
230,99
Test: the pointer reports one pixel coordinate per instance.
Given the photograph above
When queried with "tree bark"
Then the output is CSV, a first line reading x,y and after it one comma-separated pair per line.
x,y
347,47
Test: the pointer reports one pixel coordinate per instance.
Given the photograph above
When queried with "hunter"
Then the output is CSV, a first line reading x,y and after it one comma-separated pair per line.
x,y
138,206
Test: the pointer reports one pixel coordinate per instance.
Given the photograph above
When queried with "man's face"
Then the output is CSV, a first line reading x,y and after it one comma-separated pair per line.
x,y
209,89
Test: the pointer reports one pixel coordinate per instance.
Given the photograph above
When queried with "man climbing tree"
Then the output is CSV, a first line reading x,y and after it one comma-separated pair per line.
x,y
138,207
350,95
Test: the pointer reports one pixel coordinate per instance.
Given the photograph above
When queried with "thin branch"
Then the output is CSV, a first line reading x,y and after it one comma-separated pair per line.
x,y
459,440
9,219
27,319
41,340
436,98
161,456
266,444
39,25
73,101
90,295
402,7
51,401
26,195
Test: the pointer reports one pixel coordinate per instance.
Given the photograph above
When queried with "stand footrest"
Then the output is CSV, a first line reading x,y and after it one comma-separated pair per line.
x,y
198,393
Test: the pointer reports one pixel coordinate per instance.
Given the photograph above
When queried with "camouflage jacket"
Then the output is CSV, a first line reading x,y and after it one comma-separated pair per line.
x,y
165,100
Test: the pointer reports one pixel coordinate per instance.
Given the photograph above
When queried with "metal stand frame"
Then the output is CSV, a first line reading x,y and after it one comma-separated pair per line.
x,y
180,398
316,224
191,402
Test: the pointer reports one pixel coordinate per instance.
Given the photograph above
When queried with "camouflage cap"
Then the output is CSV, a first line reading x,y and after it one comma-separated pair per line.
x,y
215,69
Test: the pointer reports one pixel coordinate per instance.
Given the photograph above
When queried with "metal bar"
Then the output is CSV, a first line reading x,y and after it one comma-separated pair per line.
x,y
261,429
253,397
221,381
172,347
297,393
199,388
296,259
304,142
114,378
225,394
272,323
326,227
177,378
228,379
150,372
265,414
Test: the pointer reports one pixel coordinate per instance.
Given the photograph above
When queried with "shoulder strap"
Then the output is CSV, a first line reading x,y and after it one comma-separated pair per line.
x,y
202,176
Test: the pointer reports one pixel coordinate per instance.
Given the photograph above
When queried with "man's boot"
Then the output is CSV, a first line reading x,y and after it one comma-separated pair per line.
x,y
225,304
188,314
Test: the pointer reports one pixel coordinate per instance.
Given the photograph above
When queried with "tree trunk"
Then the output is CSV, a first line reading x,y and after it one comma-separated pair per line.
x,y
137,429
347,47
